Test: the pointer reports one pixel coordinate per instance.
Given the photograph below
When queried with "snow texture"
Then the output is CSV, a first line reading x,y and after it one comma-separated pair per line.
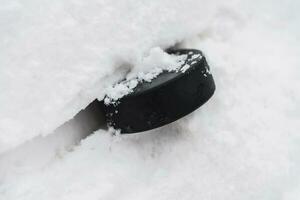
x,y
57,56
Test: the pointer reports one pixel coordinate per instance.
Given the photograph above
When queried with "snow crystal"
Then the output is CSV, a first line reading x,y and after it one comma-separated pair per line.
x,y
193,57
184,68
119,90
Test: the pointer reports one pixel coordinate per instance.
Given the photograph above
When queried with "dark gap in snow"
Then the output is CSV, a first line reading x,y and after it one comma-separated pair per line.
x,y
42,150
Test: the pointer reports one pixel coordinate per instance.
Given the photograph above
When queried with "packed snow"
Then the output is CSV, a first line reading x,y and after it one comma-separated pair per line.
x,y
58,56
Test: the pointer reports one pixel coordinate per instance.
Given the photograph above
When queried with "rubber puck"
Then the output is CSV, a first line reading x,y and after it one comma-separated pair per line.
x,y
167,98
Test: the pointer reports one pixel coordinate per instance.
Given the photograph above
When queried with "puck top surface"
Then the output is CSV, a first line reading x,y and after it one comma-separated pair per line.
x,y
193,57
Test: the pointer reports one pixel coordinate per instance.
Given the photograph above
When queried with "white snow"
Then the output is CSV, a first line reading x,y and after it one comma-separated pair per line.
x,y
57,56
185,67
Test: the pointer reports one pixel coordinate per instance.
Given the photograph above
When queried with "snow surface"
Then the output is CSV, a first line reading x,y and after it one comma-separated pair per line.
x,y
55,57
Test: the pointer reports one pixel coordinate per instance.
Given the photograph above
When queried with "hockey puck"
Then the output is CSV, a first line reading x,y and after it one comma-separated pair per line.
x,y
167,98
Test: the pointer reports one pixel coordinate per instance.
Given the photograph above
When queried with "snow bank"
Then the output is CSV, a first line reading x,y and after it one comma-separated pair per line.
x,y
56,57
243,144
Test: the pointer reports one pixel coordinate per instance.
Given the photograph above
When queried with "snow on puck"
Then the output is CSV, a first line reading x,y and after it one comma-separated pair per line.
x,y
166,98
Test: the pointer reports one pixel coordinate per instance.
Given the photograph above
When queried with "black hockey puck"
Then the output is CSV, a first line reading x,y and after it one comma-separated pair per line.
x,y
167,98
